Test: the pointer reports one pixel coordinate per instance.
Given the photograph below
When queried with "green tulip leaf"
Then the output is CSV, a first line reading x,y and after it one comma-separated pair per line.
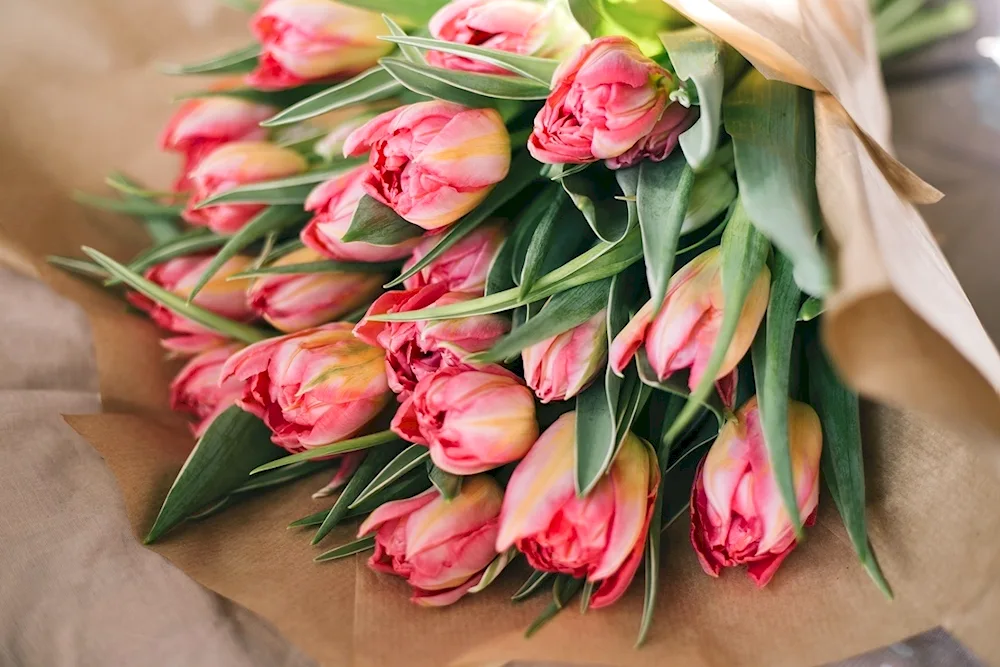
x,y
271,219
378,224
496,86
662,201
772,362
174,303
234,443
811,309
494,569
538,69
407,460
417,11
323,266
564,589
288,190
774,146
134,206
841,460
531,586
342,447
711,195
80,267
447,484
409,52
239,61
356,547
372,85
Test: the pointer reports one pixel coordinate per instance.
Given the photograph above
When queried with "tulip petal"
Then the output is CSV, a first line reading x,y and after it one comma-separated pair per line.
x,y
471,151
396,509
455,560
443,598
541,484
629,476
367,330
630,339
478,503
360,140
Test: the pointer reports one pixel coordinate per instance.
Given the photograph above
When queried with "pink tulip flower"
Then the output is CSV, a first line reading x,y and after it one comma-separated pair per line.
x,y
414,350
737,514
234,164
313,40
562,366
201,125
471,420
600,536
333,204
604,100
440,547
432,162
313,387
659,143
545,30
684,332
464,266
292,302
197,390
220,295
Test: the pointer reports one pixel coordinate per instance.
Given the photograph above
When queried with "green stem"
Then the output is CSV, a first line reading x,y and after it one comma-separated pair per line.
x,y
928,26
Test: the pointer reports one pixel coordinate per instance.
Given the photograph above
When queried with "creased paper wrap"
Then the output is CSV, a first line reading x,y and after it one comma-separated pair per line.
x,y
79,97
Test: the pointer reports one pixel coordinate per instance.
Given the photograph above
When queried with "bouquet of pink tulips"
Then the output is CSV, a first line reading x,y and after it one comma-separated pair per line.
x,y
528,279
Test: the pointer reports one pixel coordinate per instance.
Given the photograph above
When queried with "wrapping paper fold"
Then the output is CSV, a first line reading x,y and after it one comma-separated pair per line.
x,y
80,97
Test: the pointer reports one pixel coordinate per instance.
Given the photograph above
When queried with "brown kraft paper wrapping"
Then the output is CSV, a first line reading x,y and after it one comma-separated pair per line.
x,y
80,96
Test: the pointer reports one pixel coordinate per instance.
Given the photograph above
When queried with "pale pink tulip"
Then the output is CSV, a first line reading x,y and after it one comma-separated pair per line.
x,y
220,295
432,162
604,100
313,40
471,420
333,204
559,368
545,30
234,164
661,141
414,350
292,302
313,387
197,390
600,536
684,332
202,124
440,547
737,513
464,266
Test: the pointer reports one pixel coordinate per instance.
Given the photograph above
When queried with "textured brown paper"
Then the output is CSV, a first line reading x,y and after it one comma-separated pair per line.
x,y
80,97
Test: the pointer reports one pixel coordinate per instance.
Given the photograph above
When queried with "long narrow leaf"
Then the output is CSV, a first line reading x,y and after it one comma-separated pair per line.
x,y
411,53
140,207
496,86
371,85
841,461
414,79
374,461
151,290
234,443
711,195
772,361
774,145
342,447
662,201
539,69
238,61
375,223
78,266
288,190
540,246
181,246
323,266
407,460
561,313
356,547
697,55
271,219
417,11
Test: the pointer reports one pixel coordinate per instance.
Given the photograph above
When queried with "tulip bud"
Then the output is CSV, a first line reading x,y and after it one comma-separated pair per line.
x,y
604,100
220,295
560,367
737,513
471,420
310,40
464,266
197,389
516,26
414,350
313,387
432,162
230,166
687,326
661,141
600,536
292,302
333,204
203,124
440,547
